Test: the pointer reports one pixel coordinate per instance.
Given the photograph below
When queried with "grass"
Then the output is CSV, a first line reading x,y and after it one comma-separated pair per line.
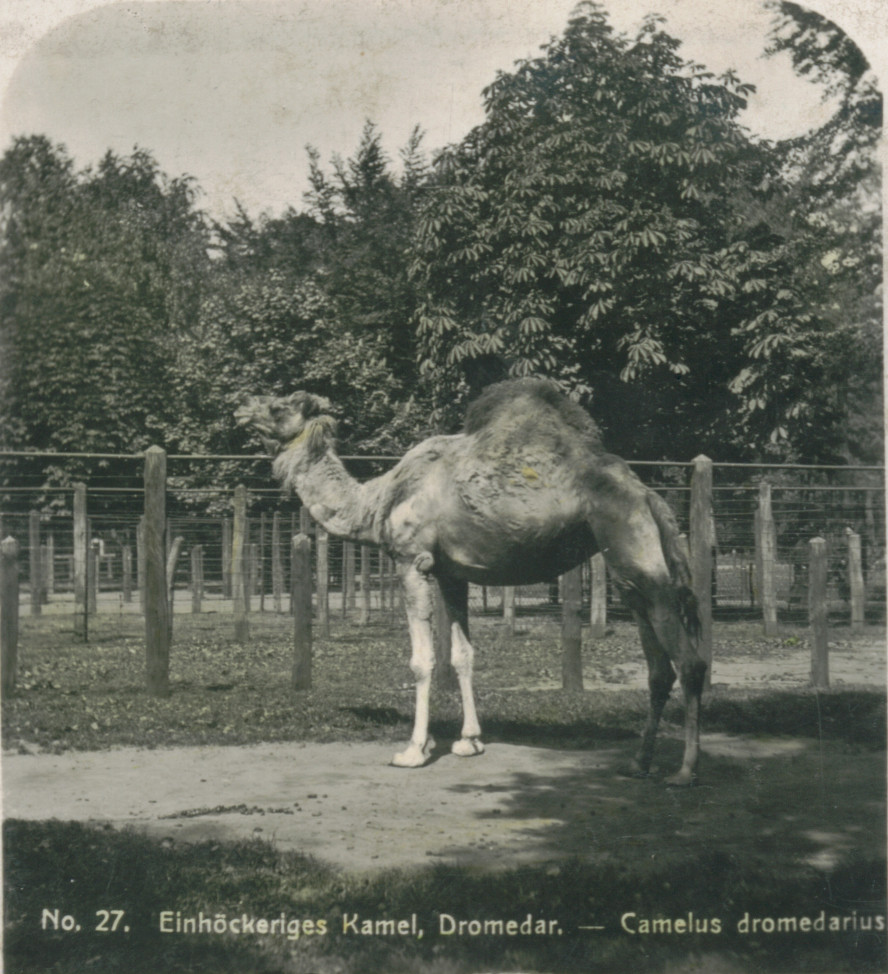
x,y
90,697
82,871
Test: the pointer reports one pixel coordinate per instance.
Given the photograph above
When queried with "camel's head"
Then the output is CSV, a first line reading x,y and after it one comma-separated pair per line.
x,y
280,420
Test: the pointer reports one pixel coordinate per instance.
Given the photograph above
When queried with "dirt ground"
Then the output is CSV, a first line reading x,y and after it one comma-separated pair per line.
x,y
344,804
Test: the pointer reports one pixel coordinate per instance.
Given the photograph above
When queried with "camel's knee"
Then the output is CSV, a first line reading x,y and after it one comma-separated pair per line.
x,y
660,682
693,677
421,668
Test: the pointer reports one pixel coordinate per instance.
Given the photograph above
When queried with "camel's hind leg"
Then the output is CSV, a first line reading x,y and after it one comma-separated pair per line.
x,y
661,677
455,593
669,647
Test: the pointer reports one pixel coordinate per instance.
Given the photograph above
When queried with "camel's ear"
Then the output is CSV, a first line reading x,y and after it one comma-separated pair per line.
x,y
313,405
301,402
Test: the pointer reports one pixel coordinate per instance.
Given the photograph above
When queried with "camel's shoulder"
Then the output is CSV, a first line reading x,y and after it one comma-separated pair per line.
x,y
414,468
430,451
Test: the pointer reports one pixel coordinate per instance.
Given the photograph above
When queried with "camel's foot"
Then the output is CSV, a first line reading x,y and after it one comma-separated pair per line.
x,y
683,779
414,755
467,747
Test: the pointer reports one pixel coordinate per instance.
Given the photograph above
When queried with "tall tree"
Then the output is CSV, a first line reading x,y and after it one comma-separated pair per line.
x,y
367,213
610,225
833,208
102,269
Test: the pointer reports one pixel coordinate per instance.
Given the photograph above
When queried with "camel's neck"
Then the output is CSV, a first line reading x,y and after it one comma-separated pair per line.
x,y
333,497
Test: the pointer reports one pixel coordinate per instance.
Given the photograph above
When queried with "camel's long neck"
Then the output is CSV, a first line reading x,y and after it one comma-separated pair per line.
x,y
333,497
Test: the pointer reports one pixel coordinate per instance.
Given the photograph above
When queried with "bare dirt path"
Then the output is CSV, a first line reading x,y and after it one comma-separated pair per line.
x,y
344,804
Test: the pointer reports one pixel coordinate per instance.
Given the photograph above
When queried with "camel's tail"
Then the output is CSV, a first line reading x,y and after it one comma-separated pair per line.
x,y
676,553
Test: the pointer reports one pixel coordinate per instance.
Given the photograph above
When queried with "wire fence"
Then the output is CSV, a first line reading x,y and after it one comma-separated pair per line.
x,y
359,583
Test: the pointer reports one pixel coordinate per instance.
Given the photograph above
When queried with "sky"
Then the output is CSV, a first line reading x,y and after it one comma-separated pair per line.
x,y
232,91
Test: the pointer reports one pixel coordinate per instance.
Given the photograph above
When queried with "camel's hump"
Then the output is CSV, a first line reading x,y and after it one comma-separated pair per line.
x,y
532,403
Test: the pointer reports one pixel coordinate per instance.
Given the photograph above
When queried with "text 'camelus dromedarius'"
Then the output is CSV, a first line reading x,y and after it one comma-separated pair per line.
x,y
525,493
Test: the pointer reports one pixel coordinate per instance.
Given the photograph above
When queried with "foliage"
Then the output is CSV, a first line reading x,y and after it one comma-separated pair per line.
x,y
315,300
611,225
119,330
366,216
101,271
832,217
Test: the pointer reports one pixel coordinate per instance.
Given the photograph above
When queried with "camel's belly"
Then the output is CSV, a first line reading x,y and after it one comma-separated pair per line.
x,y
517,529
494,560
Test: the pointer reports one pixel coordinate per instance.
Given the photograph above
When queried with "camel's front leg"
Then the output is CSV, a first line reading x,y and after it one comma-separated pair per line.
x,y
418,602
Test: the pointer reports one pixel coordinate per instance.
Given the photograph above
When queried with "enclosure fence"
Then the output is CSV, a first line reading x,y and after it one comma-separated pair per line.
x,y
758,536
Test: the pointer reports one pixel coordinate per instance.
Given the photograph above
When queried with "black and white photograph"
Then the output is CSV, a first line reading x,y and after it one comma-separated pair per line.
x,y
442,487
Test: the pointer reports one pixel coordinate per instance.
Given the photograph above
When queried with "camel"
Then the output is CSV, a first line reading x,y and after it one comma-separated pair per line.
x,y
523,494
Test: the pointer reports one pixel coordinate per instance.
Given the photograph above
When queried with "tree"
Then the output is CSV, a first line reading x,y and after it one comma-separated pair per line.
x,y
102,269
612,226
833,207
273,331
367,217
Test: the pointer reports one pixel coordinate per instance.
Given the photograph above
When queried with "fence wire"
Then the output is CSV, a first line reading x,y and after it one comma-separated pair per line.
x,y
807,502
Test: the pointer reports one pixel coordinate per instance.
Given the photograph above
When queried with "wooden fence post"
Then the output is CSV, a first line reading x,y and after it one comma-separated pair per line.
x,y
701,543
226,558
344,581
381,561
140,560
157,622
81,543
196,579
36,575
817,612
92,578
444,673
126,573
49,568
44,574
572,630
323,583
277,564
509,607
172,559
260,563
300,599
766,557
855,582
348,572
9,615
254,571
239,582
598,607
365,585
